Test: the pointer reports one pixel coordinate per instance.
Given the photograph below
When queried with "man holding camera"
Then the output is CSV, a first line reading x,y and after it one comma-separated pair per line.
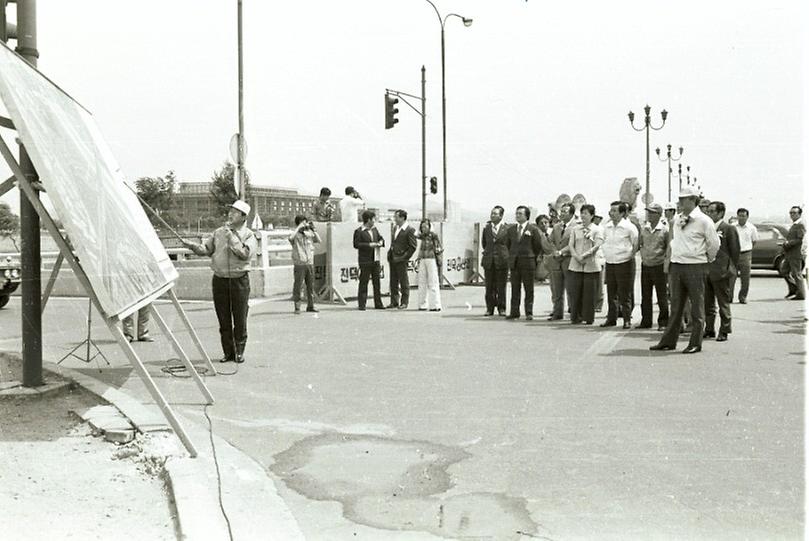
x,y
351,205
303,240
231,248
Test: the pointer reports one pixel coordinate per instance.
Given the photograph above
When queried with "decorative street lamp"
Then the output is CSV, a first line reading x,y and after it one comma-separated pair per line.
x,y
466,22
669,159
647,125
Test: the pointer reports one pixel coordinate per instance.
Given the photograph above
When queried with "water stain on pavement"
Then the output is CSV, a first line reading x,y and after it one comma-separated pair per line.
x,y
398,485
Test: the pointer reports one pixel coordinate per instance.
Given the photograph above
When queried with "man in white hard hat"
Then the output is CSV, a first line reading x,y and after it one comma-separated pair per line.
x,y
694,244
231,249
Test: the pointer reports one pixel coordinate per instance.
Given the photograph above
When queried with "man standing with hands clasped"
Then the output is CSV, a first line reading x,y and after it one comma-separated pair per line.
x,y
231,248
403,245
524,245
720,273
694,244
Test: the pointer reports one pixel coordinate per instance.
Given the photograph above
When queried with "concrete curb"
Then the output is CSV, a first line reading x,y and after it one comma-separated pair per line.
x,y
250,497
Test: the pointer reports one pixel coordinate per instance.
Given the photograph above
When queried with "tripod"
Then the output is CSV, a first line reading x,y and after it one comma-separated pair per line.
x,y
87,341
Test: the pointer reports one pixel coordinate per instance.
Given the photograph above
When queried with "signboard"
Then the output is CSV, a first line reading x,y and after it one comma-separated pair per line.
x,y
107,228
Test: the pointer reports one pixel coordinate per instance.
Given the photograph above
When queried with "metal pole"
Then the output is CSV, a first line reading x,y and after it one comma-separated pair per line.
x,y
240,142
669,197
29,224
423,144
647,155
444,121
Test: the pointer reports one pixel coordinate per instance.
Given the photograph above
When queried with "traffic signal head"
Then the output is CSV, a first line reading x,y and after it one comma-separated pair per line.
x,y
390,111
433,185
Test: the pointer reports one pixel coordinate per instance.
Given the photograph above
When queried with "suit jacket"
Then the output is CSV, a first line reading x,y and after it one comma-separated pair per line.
x,y
495,248
559,240
523,248
403,246
362,243
792,246
727,258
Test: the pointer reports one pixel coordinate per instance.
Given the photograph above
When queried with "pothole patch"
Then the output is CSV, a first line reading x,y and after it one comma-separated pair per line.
x,y
398,485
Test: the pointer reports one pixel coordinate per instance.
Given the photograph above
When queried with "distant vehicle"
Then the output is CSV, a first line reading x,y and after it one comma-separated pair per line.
x,y
9,279
767,253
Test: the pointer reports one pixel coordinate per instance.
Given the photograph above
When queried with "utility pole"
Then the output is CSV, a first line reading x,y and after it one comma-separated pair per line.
x,y
240,176
423,145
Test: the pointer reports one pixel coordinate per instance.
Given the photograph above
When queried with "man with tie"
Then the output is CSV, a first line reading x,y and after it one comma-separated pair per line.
x,y
720,273
524,246
403,245
792,250
367,242
559,263
495,261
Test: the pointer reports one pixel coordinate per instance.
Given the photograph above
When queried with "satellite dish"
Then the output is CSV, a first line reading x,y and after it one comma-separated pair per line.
x,y
647,198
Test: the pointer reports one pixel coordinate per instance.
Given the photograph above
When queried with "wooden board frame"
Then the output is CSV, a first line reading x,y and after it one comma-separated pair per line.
x,y
112,322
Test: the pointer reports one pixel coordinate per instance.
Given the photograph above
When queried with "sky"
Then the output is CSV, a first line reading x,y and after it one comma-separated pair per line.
x,y
537,93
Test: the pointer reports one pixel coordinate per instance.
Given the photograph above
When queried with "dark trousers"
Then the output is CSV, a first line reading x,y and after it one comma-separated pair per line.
x,y
795,278
496,288
230,296
399,279
687,283
619,290
369,271
522,277
583,287
745,262
717,291
559,288
303,274
653,278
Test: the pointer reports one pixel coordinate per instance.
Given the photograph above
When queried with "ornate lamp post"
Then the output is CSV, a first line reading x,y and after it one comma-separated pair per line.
x,y
443,20
646,127
669,159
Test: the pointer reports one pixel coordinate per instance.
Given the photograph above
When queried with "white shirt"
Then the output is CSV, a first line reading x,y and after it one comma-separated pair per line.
x,y
620,241
349,207
496,228
748,234
694,242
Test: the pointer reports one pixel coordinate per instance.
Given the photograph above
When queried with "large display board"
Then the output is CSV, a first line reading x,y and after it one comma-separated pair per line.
x,y
110,234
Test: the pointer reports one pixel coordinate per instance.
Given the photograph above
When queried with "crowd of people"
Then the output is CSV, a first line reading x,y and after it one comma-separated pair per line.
x,y
690,257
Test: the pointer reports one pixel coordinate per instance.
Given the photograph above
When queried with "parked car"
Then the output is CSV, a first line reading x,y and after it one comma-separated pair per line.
x,y
9,279
767,253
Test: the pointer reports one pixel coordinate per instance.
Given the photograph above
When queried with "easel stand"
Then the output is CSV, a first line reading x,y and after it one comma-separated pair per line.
x,y
86,342
328,293
113,321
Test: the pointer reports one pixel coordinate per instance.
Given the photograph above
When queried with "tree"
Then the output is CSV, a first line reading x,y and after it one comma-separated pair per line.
x,y
158,193
223,190
9,223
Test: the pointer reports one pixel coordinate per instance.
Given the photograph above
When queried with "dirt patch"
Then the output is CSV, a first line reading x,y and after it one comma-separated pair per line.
x,y
398,485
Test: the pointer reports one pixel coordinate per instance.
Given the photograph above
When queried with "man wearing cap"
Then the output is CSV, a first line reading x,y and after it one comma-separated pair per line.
x,y
669,210
720,272
654,245
231,249
694,244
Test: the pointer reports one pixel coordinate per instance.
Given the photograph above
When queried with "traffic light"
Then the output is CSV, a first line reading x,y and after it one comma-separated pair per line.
x,y
433,185
390,111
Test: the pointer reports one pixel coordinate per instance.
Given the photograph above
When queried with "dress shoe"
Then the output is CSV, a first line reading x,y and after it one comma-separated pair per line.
x,y
627,325
361,308
608,324
145,339
692,349
226,360
722,337
513,316
661,347
239,359
796,298
129,338
709,334
488,314
529,318
435,309
402,307
575,321
380,307
742,301
586,322
554,318
661,327
312,309
789,295
392,306
422,309
643,326
501,312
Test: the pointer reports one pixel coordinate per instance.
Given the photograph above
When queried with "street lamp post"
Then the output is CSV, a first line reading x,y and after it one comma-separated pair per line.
x,y
240,176
646,127
669,159
466,22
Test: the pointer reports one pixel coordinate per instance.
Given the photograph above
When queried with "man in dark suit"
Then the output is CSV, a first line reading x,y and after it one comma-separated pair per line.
x,y
367,242
402,247
792,249
524,245
560,259
495,261
720,273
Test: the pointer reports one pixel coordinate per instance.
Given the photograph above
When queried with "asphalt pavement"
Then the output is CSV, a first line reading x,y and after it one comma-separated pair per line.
x,y
418,425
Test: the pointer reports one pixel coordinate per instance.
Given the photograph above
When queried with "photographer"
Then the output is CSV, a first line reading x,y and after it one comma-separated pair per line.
x,y
351,205
303,240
